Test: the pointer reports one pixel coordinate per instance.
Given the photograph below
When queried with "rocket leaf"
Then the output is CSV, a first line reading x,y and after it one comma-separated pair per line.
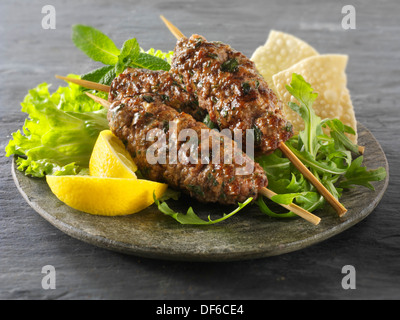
x,y
191,217
330,158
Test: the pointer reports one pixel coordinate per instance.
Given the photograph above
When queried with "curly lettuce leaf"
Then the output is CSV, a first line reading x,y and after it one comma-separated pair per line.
x,y
59,134
167,56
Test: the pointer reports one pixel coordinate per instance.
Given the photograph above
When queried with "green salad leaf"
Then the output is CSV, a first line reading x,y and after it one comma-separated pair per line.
x,y
167,56
104,75
358,175
61,129
129,53
147,61
191,217
303,92
101,48
60,132
333,158
95,44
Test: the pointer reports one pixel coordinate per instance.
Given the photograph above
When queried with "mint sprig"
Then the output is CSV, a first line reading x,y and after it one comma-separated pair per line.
x,y
99,47
129,53
95,44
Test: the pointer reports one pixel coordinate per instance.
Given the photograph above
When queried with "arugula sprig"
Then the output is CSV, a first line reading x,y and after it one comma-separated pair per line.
x,y
333,158
99,47
191,217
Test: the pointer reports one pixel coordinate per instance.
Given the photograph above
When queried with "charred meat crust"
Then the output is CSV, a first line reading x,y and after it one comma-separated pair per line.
x,y
133,82
131,120
229,87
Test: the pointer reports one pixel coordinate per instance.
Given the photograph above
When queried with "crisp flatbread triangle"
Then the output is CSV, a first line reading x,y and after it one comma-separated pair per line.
x,y
281,51
326,75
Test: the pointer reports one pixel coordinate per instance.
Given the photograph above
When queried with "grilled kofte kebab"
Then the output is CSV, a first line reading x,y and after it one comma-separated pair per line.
x,y
212,77
268,122
140,81
197,61
132,82
229,87
132,119
193,170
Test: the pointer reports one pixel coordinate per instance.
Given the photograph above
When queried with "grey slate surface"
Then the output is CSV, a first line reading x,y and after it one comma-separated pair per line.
x,y
30,55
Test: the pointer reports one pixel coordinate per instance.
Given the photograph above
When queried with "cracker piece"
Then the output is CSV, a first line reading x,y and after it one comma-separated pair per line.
x,y
281,51
326,75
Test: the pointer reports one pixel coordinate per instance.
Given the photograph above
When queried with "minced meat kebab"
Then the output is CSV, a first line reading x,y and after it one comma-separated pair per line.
x,y
131,120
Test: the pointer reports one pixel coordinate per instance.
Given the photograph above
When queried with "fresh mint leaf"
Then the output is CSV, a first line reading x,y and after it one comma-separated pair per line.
x,y
104,75
129,53
147,61
95,44
100,47
191,217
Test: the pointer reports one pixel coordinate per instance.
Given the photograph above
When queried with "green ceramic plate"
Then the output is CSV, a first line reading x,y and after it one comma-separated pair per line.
x,y
248,235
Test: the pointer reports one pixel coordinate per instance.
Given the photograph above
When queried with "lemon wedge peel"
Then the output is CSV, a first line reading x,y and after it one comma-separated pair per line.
x,y
105,196
110,158
112,187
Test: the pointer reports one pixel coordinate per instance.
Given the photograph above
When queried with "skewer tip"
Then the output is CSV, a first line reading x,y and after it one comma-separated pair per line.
x,y
97,99
306,215
174,30
85,83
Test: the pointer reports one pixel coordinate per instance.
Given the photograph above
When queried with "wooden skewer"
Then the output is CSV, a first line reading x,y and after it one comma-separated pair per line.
x,y
174,30
289,154
86,84
340,209
106,104
264,191
294,208
105,88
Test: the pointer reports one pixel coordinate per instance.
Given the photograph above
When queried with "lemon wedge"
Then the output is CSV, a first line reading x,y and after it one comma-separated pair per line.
x,y
105,196
110,158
